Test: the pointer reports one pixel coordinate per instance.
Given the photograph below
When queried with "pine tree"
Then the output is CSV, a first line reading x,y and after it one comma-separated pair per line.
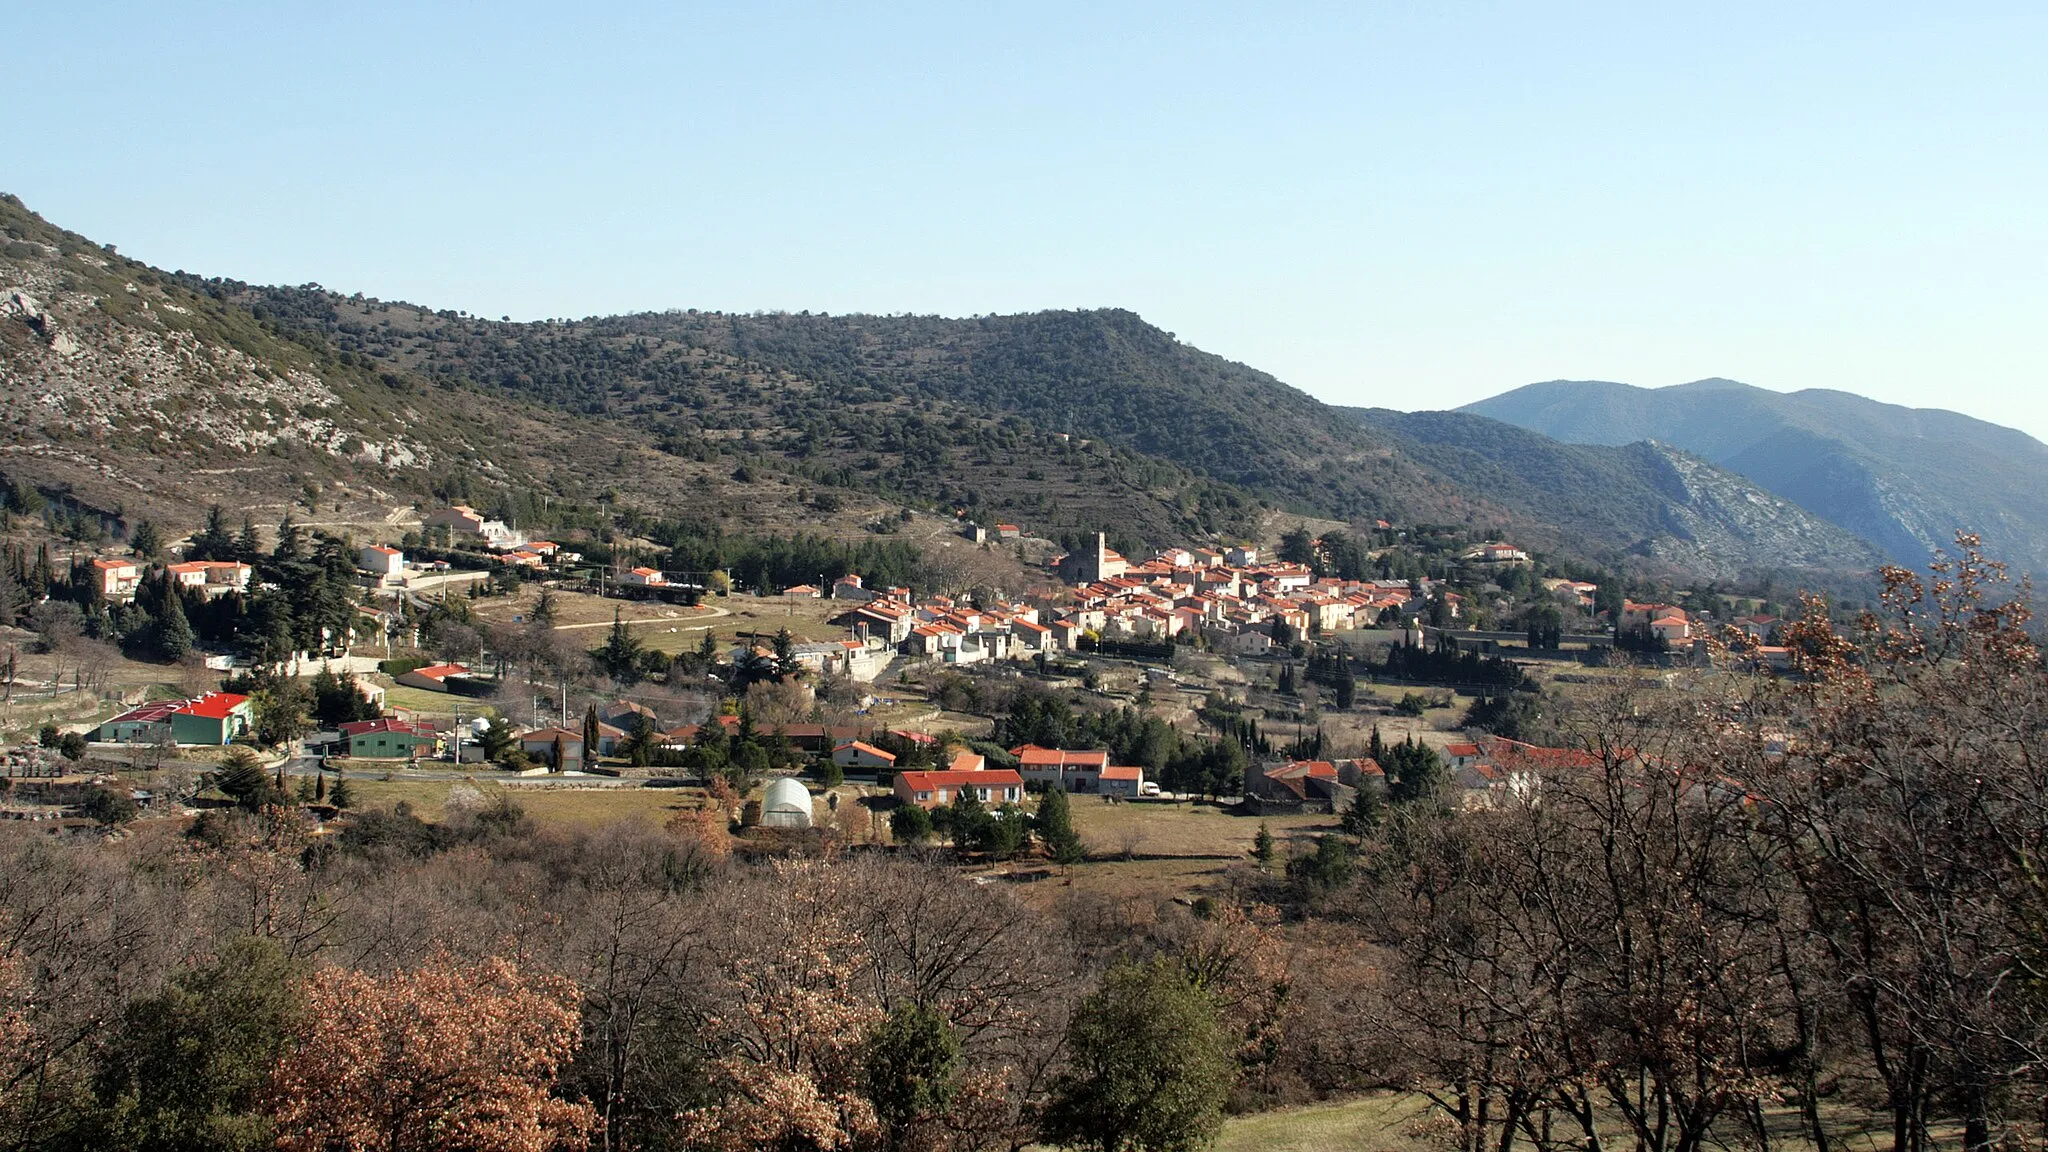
x,y
291,542
247,547
174,636
242,778
970,820
145,541
620,654
213,541
785,655
1364,814
1262,845
341,795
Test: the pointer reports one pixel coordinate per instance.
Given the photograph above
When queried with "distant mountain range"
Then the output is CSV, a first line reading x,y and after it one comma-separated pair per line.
x,y
1905,479
1643,499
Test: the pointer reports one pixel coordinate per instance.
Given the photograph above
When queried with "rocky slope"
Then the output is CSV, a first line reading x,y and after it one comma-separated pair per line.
x,y
127,392
1645,501
1904,478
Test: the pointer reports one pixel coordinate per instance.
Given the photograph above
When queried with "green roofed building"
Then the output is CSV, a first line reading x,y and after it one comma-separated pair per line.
x,y
389,739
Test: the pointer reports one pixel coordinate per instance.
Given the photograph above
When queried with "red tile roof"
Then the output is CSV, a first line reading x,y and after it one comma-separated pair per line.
x,y
1032,756
986,778
213,705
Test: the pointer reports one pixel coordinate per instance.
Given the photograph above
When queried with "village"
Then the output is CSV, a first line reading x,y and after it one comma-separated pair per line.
x,y
834,705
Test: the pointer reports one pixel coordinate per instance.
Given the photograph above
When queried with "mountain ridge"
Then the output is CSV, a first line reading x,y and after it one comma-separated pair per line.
x,y
1904,478
1065,421
1642,498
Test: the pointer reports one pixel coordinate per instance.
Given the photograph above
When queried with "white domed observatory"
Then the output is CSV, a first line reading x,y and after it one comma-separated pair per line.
x,y
787,804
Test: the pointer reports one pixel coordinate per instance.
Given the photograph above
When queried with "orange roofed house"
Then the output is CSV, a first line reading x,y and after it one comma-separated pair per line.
x,y
214,578
857,754
992,786
116,578
433,677
1072,771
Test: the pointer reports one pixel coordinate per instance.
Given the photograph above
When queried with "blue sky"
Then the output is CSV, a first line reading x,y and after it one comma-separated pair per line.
x,y
1411,205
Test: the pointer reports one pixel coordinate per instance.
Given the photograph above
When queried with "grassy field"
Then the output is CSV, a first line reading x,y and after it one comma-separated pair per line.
x,y
1164,828
805,619
580,610
579,806
424,702
1387,1122
1368,1124
562,806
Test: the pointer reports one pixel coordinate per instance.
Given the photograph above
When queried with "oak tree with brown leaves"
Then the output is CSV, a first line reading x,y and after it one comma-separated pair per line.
x,y
445,1058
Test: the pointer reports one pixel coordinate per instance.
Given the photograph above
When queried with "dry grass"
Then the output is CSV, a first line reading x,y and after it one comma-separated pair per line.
x,y
1165,828
552,805
1381,1121
580,610
424,702
1387,1122
425,796
594,806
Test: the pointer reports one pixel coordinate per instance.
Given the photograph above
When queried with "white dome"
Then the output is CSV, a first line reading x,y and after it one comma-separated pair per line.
x,y
479,726
787,804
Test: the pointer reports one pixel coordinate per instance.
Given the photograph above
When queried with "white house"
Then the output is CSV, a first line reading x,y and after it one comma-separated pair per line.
x,y
856,754
382,561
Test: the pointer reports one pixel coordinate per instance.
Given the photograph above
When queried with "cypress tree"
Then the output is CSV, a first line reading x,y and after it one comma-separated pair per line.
x,y
173,631
1056,828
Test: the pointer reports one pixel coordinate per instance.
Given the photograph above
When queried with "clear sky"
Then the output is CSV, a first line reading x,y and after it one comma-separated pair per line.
x,y
1404,204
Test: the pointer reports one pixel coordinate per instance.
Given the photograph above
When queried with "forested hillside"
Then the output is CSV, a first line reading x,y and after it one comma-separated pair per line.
x,y
1642,499
1063,420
